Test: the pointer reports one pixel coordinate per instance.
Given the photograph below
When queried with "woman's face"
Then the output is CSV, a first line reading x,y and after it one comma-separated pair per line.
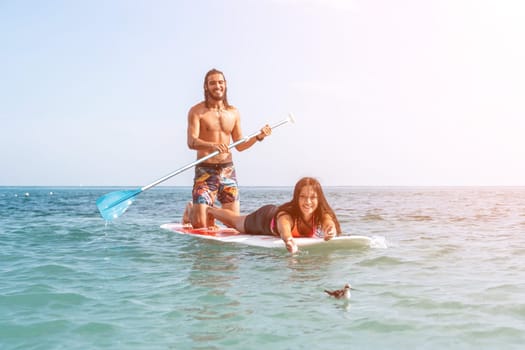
x,y
308,201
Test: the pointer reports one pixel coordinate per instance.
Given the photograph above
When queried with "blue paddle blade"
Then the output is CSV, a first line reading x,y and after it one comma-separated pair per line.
x,y
114,204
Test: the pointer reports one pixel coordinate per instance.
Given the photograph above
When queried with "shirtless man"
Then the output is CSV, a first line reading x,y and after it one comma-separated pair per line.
x,y
212,125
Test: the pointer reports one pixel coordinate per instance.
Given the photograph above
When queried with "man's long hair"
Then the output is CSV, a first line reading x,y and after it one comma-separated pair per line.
x,y
292,208
207,94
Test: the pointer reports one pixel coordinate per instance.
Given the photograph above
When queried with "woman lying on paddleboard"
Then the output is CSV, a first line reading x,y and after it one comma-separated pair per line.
x,y
303,216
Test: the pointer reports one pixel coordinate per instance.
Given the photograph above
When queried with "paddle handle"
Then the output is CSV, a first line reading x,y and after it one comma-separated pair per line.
x,y
289,119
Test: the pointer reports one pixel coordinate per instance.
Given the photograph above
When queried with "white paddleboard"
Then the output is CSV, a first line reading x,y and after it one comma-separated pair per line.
x,y
230,235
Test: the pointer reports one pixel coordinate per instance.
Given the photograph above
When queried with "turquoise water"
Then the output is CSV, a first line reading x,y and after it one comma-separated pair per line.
x,y
452,275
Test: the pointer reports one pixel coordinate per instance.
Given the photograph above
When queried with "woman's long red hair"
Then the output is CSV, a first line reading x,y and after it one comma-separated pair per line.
x,y
292,208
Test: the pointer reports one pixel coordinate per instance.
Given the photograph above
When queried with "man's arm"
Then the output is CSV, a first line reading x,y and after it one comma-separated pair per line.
x,y
193,130
237,134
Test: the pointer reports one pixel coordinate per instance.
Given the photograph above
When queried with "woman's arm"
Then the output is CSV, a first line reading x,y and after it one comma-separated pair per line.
x,y
284,227
328,227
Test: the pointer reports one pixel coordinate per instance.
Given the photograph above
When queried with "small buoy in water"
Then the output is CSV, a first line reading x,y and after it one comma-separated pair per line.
x,y
51,193
26,194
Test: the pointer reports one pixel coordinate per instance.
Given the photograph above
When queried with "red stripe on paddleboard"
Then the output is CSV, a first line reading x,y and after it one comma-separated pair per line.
x,y
206,232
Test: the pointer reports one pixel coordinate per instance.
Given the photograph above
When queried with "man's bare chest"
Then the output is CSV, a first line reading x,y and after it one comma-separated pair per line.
x,y
217,121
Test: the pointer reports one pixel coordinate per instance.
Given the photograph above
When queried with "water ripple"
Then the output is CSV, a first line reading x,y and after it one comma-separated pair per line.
x,y
450,275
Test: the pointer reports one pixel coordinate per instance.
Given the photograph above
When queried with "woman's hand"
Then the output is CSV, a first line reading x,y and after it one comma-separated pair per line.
x,y
291,246
330,232
284,226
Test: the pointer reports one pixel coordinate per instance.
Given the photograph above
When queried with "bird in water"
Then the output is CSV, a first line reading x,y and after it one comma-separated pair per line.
x,y
340,293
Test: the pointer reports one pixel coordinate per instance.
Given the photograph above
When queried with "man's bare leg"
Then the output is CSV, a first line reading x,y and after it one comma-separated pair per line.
x,y
196,216
188,212
199,216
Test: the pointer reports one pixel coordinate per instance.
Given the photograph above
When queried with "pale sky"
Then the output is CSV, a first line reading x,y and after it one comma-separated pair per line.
x,y
389,93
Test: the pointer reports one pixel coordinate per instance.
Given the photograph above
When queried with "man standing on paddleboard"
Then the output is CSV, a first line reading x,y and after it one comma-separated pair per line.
x,y
212,125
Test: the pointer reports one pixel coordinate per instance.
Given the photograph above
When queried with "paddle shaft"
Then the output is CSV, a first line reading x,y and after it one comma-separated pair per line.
x,y
211,155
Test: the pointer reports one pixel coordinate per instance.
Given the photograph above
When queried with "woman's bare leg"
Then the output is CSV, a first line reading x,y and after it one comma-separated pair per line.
x,y
228,217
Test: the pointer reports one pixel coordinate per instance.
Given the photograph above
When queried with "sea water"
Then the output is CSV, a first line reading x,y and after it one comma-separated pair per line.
x,y
452,274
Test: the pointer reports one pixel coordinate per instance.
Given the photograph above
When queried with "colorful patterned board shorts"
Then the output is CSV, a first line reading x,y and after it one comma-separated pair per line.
x,y
215,182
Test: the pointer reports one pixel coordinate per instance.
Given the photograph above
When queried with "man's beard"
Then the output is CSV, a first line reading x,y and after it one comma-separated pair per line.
x,y
217,97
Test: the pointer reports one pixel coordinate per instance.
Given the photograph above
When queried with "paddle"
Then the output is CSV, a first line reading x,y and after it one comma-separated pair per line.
x,y
114,204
